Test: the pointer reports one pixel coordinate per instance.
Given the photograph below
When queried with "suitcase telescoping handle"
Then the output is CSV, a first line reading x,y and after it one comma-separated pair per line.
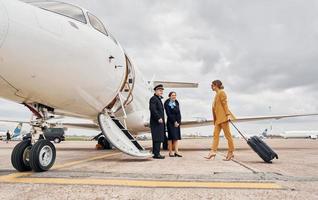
x,y
238,130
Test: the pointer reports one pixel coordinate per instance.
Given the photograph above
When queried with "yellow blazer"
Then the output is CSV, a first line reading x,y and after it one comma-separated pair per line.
x,y
220,108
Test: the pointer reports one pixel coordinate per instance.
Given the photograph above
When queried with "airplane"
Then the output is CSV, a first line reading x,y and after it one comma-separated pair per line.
x,y
59,59
16,133
293,134
290,134
300,134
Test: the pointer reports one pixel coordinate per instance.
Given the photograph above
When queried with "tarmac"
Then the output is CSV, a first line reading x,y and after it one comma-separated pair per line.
x,y
81,172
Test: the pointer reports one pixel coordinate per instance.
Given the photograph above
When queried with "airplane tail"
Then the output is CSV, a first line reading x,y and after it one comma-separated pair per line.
x,y
17,131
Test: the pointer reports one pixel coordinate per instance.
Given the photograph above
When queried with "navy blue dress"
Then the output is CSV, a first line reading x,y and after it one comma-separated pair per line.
x,y
173,115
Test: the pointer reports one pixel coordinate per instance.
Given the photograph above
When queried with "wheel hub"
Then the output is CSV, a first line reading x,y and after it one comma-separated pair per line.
x,y
26,156
45,156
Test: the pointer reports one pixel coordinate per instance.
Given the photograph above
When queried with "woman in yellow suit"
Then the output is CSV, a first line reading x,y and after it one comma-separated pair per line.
x,y
221,117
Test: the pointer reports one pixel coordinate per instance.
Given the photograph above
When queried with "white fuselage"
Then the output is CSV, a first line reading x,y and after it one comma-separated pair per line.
x,y
45,59
300,134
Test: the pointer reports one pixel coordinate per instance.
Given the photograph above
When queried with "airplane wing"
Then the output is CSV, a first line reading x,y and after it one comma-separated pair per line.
x,y
185,124
206,122
15,121
169,84
91,125
81,125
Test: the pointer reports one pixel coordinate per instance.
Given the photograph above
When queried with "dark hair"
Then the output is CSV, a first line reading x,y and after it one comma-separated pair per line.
x,y
170,93
218,84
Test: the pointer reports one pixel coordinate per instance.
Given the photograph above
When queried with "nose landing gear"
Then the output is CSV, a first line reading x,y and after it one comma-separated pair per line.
x,y
35,152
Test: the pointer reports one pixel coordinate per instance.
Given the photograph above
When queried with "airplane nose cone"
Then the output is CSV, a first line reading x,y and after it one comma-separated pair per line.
x,y
4,23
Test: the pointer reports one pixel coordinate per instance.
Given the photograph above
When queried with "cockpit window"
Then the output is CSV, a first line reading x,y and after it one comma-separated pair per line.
x,y
96,23
64,9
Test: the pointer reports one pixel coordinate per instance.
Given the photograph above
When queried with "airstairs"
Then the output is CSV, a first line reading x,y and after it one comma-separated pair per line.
x,y
120,137
113,129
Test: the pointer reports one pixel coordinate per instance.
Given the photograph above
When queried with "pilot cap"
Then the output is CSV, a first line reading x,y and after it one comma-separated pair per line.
x,y
160,86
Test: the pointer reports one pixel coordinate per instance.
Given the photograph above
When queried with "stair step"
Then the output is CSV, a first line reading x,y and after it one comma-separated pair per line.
x,y
137,145
127,133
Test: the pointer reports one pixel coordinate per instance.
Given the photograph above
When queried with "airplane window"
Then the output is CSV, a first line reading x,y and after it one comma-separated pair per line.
x,y
64,9
97,24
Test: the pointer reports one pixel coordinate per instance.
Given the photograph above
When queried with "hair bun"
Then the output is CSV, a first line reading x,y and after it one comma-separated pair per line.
x,y
218,83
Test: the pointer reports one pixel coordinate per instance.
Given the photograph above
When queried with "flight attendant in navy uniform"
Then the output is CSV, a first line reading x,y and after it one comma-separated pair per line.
x,y
173,123
157,121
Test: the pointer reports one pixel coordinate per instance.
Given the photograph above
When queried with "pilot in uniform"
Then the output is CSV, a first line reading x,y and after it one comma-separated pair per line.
x,y
157,121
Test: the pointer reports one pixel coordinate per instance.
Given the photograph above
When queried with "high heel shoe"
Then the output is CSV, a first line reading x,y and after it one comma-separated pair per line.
x,y
211,156
229,157
177,155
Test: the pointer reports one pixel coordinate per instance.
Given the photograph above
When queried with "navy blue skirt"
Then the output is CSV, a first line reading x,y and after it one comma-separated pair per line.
x,y
174,133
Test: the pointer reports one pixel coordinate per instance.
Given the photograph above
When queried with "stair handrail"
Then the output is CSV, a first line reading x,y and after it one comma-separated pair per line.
x,y
123,108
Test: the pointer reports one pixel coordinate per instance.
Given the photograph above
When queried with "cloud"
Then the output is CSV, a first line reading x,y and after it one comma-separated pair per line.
x,y
265,52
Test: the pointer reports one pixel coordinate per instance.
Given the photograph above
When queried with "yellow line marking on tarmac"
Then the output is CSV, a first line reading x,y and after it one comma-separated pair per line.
x,y
70,164
147,184
13,176
22,178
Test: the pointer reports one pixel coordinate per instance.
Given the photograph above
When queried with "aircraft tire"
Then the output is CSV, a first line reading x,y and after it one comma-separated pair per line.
x,y
104,143
57,140
42,156
20,156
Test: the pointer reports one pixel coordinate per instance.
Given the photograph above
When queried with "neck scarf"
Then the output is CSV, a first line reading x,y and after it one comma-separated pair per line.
x,y
172,104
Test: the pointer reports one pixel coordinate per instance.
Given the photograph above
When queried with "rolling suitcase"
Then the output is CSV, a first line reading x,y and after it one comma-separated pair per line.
x,y
259,146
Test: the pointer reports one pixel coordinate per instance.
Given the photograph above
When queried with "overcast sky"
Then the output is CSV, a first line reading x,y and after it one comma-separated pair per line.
x,y
265,52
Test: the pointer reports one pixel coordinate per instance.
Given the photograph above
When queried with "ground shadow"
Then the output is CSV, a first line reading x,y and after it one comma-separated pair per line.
x,y
125,160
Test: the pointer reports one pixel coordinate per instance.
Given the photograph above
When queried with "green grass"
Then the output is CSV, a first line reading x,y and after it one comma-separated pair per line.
x,y
77,138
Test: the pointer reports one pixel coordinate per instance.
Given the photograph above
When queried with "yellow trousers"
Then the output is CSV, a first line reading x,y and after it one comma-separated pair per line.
x,y
225,126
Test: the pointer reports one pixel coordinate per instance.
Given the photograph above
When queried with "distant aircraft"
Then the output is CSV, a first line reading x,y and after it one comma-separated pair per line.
x,y
16,133
59,59
295,134
264,133
300,134
291,134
